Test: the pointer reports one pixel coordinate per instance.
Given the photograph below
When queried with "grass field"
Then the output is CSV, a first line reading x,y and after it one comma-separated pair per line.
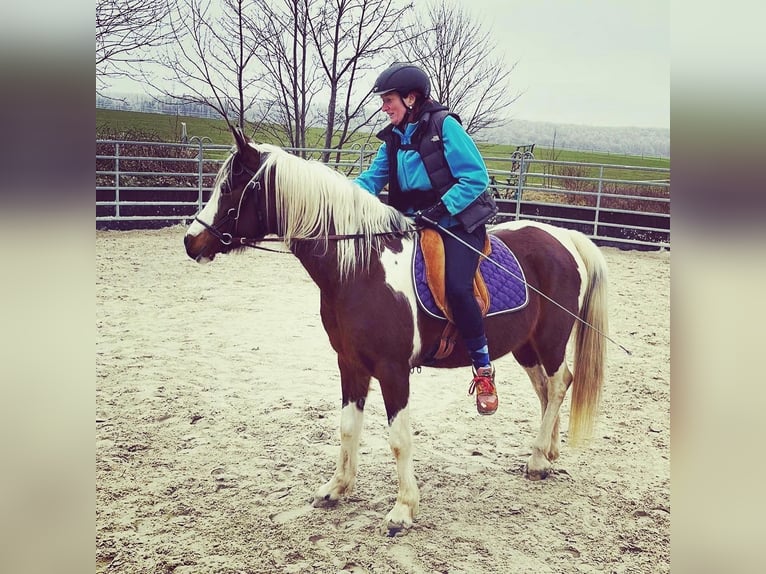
x,y
113,123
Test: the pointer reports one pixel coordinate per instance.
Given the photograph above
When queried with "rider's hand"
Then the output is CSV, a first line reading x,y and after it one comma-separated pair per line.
x,y
430,216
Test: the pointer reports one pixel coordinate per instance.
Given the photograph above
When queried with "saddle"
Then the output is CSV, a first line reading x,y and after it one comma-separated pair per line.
x,y
495,291
432,248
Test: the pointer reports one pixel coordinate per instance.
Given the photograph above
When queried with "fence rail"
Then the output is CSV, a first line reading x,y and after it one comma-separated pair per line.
x,y
155,184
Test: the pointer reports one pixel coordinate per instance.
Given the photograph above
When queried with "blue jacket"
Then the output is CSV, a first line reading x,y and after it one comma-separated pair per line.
x,y
462,156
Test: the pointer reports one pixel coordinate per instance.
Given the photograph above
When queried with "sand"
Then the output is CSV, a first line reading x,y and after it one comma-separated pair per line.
x,y
218,403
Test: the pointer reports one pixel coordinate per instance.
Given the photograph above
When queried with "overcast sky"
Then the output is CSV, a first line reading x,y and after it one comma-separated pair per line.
x,y
593,62
589,62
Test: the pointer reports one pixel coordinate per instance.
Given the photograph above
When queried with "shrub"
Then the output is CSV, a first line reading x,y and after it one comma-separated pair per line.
x,y
133,158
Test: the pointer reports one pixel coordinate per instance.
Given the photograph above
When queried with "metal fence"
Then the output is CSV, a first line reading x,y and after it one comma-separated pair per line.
x,y
155,184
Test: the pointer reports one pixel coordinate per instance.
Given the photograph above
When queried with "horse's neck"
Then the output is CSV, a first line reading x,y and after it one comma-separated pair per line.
x,y
320,263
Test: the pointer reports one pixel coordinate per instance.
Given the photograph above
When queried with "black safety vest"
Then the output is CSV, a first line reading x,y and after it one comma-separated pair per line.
x,y
427,141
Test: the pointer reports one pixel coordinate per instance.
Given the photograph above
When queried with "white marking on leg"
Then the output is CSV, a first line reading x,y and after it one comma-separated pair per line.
x,y
540,383
342,482
545,447
398,270
408,499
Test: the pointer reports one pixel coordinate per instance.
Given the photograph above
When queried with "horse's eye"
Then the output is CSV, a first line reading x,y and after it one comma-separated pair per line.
x,y
225,189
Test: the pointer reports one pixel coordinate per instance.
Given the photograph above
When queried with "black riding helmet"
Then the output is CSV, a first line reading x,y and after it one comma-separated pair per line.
x,y
402,78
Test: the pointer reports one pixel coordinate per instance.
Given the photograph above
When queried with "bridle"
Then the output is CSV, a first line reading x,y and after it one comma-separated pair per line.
x,y
234,213
262,216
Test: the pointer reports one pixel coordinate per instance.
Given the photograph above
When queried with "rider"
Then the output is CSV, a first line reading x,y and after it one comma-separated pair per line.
x,y
435,173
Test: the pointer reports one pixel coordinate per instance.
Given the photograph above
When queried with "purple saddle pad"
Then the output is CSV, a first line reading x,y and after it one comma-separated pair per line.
x,y
507,286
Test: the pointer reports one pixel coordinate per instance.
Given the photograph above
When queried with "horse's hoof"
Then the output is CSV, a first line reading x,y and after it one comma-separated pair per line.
x,y
391,530
537,474
398,521
325,501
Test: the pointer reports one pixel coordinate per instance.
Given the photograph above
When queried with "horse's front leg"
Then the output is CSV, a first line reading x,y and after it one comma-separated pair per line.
x,y
354,387
396,388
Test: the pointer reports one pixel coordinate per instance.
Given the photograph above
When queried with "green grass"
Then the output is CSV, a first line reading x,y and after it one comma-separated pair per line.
x,y
110,123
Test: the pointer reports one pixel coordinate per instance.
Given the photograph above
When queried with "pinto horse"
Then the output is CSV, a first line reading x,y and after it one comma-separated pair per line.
x,y
358,251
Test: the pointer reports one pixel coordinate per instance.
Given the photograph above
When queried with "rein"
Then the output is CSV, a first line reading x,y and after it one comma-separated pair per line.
x,y
254,242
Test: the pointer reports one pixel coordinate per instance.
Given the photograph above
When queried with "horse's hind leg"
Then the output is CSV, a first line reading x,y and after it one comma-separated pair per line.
x,y
548,388
354,385
550,391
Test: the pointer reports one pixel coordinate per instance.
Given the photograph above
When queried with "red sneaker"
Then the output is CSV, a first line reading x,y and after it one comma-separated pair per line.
x,y
484,385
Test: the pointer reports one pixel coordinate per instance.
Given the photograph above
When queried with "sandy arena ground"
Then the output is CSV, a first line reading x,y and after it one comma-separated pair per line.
x,y
218,404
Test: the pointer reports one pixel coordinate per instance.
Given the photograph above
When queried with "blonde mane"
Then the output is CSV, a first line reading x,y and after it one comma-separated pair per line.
x,y
314,201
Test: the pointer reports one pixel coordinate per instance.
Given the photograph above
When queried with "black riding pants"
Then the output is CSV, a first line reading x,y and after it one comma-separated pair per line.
x,y
460,267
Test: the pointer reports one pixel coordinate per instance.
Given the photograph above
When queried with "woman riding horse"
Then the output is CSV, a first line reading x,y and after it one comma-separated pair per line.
x,y
435,173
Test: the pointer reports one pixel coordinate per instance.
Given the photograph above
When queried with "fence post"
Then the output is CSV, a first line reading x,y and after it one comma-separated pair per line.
x,y
200,162
117,180
519,187
518,199
598,200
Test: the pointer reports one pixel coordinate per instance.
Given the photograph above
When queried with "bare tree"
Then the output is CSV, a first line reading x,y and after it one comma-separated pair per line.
x,y
349,36
211,60
321,49
125,29
460,58
292,79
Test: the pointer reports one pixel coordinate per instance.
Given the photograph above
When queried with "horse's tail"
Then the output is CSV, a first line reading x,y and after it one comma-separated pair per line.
x,y
590,345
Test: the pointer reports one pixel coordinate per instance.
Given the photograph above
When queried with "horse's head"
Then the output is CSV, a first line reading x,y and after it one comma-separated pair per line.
x,y
235,210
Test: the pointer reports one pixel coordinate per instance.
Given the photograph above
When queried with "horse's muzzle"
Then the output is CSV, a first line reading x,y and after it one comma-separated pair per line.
x,y
195,248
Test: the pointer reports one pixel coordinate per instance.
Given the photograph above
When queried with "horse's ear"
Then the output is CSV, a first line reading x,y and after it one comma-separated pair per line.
x,y
240,138
247,152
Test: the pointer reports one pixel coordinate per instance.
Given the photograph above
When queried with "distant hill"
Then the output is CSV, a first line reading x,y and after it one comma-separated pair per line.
x,y
649,142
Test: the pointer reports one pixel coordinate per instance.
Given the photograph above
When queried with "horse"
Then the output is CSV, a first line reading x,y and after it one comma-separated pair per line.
x,y
358,250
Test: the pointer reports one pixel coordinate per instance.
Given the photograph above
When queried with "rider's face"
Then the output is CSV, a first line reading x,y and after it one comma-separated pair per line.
x,y
395,106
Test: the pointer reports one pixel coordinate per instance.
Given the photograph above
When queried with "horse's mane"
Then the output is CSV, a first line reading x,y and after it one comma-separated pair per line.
x,y
314,201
